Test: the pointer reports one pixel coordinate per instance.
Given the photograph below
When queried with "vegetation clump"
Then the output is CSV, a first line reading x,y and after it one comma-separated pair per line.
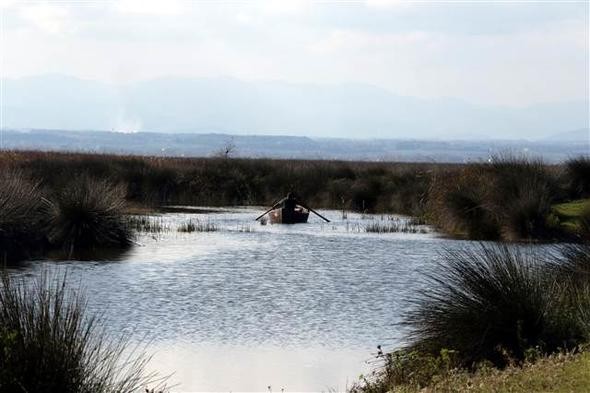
x,y
502,306
394,226
508,199
148,224
88,214
49,343
493,304
21,216
578,177
197,226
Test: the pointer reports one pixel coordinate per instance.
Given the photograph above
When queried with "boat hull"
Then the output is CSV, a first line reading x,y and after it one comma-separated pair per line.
x,y
285,216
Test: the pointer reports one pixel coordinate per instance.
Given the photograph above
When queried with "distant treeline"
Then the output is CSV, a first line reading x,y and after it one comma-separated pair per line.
x,y
508,198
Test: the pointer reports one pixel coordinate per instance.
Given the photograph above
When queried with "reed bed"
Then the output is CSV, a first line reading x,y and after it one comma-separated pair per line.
x,y
155,181
394,226
245,228
508,199
147,224
578,177
198,226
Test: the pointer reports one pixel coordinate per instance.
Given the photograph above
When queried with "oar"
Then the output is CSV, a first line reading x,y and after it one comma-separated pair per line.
x,y
314,212
263,214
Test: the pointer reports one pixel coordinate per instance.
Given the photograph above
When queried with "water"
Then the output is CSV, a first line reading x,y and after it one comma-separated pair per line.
x,y
297,307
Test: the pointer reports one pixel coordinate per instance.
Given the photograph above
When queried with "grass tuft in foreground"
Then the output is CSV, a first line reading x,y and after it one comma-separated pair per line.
x,y
501,306
494,304
49,343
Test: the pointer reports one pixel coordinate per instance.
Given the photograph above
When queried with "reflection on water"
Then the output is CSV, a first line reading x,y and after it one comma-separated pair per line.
x,y
297,307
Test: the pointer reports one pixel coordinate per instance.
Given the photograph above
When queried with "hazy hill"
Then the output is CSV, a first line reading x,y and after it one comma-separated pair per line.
x,y
232,106
168,144
581,135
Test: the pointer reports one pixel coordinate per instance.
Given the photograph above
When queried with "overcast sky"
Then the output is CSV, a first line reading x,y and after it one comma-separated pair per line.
x,y
513,53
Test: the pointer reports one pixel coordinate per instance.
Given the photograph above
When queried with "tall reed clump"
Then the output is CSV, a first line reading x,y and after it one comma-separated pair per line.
x,y
577,173
492,306
458,204
20,216
88,214
522,193
509,199
49,343
495,303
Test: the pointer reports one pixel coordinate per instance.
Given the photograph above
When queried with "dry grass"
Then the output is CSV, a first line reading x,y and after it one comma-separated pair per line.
x,y
563,373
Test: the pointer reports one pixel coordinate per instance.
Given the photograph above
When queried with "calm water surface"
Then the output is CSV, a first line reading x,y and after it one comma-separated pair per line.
x,y
297,307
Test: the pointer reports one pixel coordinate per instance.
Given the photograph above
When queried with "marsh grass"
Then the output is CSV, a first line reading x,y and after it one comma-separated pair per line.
x,y
50,343
394,226
156,181
88,214
498,307
509,199
197,226
577,172
565,372
521,197
495,303
147,224
245,228
21,217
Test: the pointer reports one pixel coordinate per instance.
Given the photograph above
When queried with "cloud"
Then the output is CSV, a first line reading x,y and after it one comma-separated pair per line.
x,y
512,55
150,7
387,3
46,17
285,7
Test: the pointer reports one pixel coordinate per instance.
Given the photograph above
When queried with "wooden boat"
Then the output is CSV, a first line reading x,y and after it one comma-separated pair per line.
x,y
287,216
291,211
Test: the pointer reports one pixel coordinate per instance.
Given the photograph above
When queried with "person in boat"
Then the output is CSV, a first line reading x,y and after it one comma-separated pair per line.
x,y
290,202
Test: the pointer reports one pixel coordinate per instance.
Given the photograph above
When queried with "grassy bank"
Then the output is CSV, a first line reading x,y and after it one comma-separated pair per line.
x,y
499,317
563,373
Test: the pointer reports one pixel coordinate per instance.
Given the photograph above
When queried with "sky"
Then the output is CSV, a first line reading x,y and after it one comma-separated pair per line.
x,y
509,53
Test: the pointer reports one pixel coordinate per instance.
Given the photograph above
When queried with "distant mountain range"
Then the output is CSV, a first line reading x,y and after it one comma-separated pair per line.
x,y
581,135
201,145
231,106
